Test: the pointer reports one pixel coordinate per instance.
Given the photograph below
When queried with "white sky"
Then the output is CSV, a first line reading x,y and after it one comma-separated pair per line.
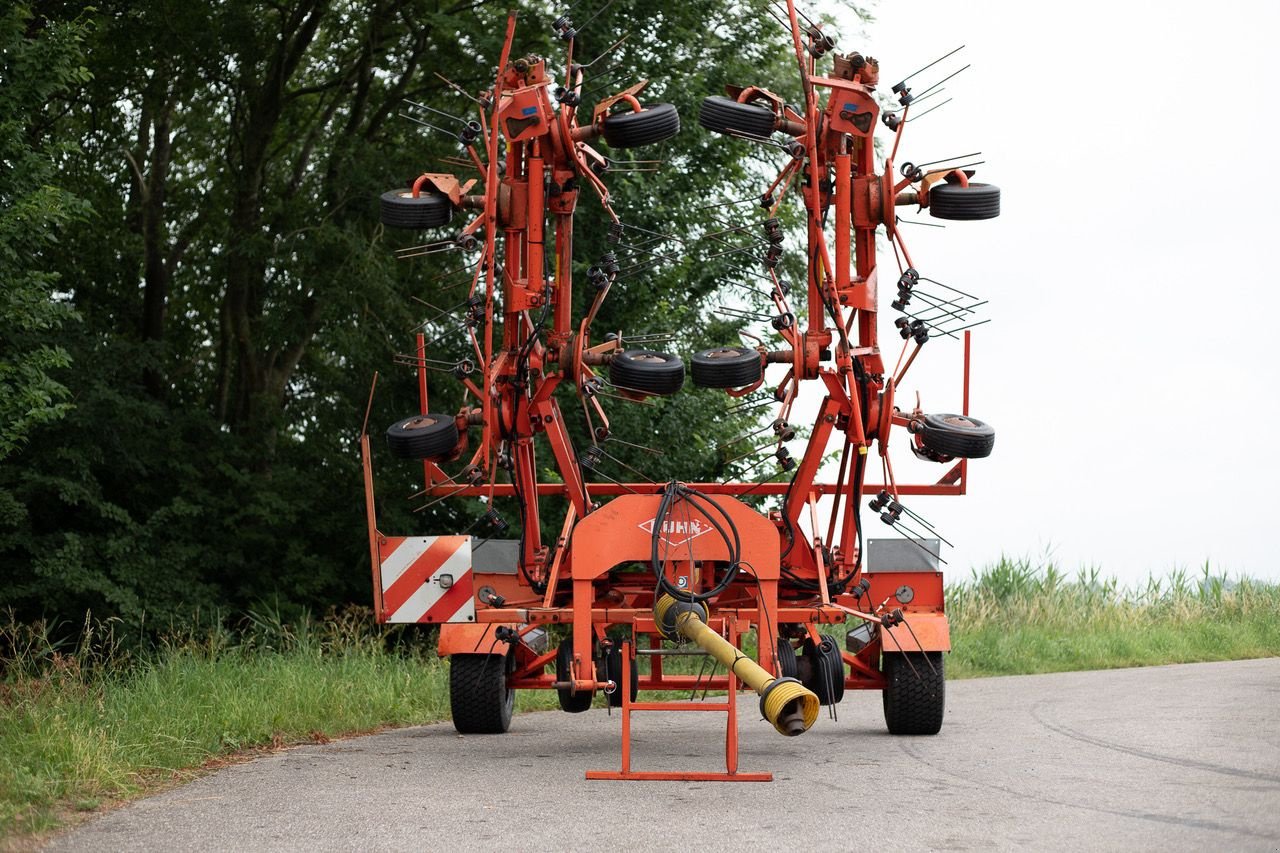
x,y
1129,369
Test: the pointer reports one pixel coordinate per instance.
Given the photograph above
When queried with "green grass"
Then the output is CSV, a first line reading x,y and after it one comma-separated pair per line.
x,y
92,724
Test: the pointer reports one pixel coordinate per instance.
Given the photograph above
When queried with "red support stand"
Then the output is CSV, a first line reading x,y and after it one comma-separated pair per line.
x,y
730,706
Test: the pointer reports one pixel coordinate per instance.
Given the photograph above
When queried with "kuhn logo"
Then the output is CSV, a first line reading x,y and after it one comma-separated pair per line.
x,y
676,533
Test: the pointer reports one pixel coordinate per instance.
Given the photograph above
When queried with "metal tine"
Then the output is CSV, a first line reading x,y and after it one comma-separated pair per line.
x,y
807,19
442,313
458,88
753,138
417,120
736,250
458,271
931,64
945,159
651,450
956,168
926,112
444,497
941,306
930,324
610,49
436,111
952,332
968,308
742,312
919,99
627,399
945,79
772,14
445,248
949,287
642,475
954,302
900,221
583,25
916,539
728,203
921,519
615,482
424,245
444,335
606,80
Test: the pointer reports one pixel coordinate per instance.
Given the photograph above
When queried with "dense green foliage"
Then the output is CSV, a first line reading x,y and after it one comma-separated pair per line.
x,y
190,440
93,720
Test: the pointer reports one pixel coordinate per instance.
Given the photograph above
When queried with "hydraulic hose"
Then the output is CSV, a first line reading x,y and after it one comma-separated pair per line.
x,y
786,703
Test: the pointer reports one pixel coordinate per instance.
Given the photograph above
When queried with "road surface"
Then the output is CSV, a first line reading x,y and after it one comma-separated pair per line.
x,y
1165,758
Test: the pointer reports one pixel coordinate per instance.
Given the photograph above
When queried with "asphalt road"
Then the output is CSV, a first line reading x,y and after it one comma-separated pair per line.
x,y
1166,758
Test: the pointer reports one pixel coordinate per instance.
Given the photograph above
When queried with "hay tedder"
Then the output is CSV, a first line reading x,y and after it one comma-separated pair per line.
x,y
645,571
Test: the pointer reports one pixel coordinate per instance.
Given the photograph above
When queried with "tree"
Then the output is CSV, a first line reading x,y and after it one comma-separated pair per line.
x,y
237,293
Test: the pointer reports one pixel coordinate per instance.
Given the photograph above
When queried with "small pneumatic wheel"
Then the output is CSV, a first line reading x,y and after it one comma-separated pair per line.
x,y
915,692
976,201
429,210
725,115
423,437
480,698
574,703
654,123
646,371
957,435
726,367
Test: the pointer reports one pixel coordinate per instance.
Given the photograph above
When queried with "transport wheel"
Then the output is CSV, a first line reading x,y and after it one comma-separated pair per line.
x,y
613,670
429,210
787,663
574,703
824,674
423,436
914,697
958,435
654,123
726,367
479,698
725,115
976,201
659,373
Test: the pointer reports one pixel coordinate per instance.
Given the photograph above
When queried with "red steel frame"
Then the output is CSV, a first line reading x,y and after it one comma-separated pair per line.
x,y
574,579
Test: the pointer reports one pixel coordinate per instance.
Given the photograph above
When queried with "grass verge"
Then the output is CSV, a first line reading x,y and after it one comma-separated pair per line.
x,y
82,728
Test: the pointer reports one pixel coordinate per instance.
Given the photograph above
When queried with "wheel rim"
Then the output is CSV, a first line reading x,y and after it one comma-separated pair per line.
x,y
420,423
956,420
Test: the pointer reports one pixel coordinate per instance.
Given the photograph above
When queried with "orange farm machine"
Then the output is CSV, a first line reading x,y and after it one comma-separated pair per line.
x,y
643,571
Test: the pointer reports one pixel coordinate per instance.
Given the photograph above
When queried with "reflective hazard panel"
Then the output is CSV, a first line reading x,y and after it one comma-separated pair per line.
x,y
426,579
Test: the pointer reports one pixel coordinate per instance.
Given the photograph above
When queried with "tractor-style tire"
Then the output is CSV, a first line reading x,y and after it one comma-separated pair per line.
x,y
976,201
787,661
423,437
958,435
479,698
914,698
613,671
429,210
825,672
726,367
654,123
574,703
725,115
646,371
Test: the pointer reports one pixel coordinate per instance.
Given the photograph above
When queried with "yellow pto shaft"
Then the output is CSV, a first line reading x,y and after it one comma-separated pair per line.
x,y
786,703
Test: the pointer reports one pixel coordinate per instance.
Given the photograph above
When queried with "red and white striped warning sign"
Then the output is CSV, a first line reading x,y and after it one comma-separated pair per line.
x,y
427,579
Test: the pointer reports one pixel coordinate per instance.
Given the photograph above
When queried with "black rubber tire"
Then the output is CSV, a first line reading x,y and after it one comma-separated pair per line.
x,y
976,201
479,699
787,661
429,210
958,435
654,123
613,671
726,367
725,115
914,699
825,672
427,436
574,703
658,373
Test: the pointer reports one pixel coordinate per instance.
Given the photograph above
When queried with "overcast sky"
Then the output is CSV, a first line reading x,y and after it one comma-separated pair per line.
x,y
1130,369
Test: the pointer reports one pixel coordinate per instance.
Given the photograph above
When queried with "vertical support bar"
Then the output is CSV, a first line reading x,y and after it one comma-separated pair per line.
x,y
427,480
964,463
731,727
535,268
627,663
844,189
371,520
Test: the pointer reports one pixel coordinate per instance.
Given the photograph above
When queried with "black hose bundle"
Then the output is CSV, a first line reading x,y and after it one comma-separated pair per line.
x,y
671,493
